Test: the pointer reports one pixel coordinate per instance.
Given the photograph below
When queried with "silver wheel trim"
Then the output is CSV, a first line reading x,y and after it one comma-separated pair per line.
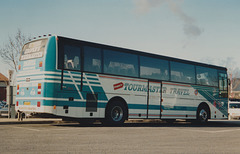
x,y
117,113
203,115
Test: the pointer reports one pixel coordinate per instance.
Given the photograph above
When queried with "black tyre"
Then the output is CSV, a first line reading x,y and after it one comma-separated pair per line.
x,y
86,122
203,114
116,114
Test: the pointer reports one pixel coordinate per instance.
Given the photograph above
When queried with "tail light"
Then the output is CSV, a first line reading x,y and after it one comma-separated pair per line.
x,y
39,88
19,67
38,104
17,103
18,89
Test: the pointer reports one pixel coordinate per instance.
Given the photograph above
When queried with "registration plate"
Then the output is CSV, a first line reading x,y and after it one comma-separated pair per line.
x,y
27,103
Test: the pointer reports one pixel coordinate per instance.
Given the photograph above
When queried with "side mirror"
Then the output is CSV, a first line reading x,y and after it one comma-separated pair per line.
x,y
229,82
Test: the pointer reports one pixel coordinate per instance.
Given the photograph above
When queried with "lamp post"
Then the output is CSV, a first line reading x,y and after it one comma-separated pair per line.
x,y
10,91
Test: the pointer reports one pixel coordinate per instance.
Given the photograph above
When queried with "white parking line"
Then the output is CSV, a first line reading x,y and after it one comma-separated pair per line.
x,y
219,131
208,131
63,129
26,128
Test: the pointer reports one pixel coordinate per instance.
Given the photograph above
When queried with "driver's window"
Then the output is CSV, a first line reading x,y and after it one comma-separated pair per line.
x,y
223,85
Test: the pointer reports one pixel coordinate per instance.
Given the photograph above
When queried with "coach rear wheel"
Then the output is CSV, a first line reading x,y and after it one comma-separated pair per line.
x,y
116,114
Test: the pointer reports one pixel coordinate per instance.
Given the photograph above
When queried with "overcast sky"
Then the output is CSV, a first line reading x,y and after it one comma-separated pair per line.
x,y
197,30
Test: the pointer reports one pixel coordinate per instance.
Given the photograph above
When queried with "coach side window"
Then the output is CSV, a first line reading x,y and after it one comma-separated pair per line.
x,y
92,59
120,63
72,56
181,72
153,68
207,76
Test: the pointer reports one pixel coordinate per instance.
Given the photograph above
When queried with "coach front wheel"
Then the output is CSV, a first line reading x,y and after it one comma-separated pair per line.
x,y
202,115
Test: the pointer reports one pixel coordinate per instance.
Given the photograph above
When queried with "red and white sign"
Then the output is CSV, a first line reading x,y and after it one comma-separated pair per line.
x,y
118,86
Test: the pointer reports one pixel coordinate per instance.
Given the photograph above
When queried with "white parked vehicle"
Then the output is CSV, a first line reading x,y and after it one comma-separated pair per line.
x,y
234,109
4,111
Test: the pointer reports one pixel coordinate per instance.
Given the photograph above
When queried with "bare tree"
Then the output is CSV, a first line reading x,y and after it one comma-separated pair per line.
x,y
10,52
235,77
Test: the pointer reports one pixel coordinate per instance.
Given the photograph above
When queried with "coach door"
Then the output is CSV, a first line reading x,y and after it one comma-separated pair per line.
x,y
154,99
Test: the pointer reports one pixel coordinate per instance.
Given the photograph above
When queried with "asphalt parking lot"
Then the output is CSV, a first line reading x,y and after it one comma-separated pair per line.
x,y
52,136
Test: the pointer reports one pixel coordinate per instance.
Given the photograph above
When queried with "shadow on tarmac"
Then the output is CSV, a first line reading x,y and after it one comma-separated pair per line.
x,y
224,123
130,123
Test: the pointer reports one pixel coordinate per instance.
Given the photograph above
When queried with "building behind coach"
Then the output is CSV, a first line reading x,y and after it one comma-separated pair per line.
x,y
3,87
